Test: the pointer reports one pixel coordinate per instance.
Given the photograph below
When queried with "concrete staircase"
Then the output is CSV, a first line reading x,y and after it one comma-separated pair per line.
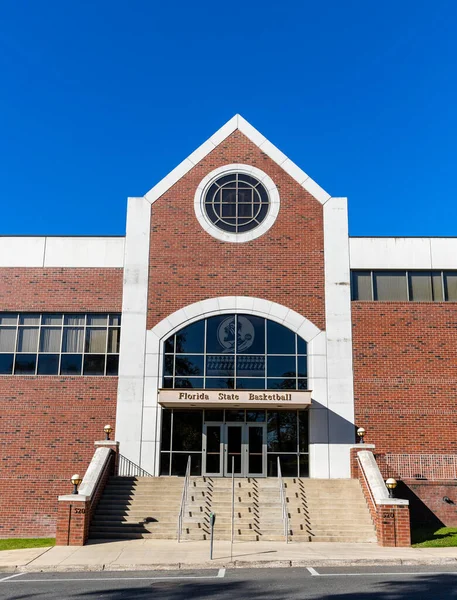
x,y
257,514
324,510
138,507
328,510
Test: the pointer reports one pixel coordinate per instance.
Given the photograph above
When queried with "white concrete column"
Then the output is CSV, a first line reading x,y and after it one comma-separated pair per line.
x,y
130,395
318,414
339,336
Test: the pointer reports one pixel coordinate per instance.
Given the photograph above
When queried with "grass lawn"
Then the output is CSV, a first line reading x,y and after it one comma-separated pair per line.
x,y
434,538
19,543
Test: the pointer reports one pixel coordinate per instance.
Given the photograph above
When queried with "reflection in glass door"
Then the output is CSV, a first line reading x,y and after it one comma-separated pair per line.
x,y
244,443
234,449
255,450
212,450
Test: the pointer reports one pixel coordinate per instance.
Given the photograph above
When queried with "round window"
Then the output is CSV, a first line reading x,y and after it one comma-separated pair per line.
x,y
236,203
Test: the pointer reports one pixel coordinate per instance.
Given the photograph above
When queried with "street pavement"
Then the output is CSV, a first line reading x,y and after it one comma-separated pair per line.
x,y
299,583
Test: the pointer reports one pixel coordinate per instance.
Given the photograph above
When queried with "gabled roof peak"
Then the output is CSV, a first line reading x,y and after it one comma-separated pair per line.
x,y
237,122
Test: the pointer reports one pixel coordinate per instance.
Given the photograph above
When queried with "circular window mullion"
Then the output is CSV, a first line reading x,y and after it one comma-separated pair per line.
x,y
237,197
255,198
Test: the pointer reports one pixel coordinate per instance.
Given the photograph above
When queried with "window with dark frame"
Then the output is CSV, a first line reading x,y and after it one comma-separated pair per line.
x,y
404,286
235,352
59,344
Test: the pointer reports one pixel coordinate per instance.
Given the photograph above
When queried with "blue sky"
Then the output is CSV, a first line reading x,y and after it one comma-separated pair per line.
x,y
101,99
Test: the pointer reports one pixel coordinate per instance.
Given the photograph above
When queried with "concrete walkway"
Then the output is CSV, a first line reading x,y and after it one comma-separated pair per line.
x,y
168,554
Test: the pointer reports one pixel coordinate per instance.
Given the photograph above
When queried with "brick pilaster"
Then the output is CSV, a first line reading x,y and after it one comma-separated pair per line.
x,y
72,521
393,526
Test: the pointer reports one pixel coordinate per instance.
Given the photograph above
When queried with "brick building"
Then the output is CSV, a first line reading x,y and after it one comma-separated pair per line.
x,y
235,323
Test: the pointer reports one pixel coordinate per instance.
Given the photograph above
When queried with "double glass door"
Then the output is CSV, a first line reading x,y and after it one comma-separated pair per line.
x,y
240,444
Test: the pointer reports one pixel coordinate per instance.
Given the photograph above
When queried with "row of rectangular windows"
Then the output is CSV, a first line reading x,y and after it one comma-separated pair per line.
x,y
59,343
230,383
57,319
59,364
404,286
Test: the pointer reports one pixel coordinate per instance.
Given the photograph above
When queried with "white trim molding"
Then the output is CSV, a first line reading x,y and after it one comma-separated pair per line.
x,y
225,236
148,443
232,304
58,251
238,123
403,253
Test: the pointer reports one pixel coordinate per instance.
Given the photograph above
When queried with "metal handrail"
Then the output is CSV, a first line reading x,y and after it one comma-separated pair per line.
x,y
183,499
421,466
282,494
127,468
233,509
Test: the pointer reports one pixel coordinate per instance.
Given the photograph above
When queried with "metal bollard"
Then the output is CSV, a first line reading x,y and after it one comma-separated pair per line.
x,y
212,520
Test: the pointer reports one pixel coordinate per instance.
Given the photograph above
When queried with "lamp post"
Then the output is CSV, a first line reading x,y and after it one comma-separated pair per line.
x,y
391,484
76,480
107,429
361,434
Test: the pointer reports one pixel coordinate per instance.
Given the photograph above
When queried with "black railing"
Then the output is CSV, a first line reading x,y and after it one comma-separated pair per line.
x,y
127,468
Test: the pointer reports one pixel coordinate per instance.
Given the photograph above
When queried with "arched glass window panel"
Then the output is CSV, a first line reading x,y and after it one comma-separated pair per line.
x,y
235,351
190,340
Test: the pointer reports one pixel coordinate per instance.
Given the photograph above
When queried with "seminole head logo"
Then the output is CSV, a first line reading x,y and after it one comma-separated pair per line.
x,y
243,335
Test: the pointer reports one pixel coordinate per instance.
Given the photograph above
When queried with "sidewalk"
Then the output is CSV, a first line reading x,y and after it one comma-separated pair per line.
x,y
168,554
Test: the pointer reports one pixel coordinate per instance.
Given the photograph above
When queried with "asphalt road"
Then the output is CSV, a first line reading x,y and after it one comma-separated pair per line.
x,y
374,583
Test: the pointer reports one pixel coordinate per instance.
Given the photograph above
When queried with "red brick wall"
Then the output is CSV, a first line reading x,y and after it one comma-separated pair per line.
x,y
60,290
48,426
286,265
405,357
426,501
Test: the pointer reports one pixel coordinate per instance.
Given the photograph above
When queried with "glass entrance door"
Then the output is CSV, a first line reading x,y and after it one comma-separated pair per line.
x,y
213,450
243,443
255,450
234,450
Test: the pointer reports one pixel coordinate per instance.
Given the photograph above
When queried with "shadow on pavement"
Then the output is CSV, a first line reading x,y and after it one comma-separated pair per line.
x,y
237,555
277,584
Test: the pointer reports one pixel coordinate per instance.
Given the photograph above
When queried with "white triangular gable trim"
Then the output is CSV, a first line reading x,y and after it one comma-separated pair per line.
x,y
237,122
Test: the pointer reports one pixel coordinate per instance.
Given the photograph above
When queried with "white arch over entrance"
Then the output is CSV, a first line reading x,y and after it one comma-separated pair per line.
x,y
149,450
232,304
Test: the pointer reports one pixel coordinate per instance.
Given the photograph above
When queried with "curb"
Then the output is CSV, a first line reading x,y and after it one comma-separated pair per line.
x,y
237,564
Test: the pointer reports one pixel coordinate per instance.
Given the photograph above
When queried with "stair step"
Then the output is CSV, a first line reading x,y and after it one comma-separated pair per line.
x,y
319,510
344,539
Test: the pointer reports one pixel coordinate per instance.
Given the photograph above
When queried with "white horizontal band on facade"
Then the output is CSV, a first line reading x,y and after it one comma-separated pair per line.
x,y
403,253
70,252
108,252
